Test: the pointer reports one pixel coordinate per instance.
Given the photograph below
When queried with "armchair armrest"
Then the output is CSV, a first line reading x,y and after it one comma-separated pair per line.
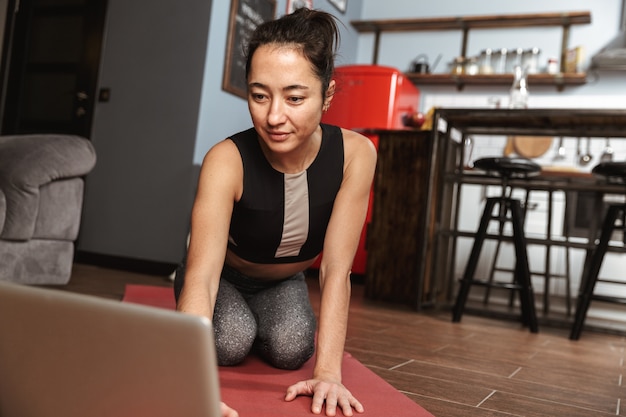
x,y
29,161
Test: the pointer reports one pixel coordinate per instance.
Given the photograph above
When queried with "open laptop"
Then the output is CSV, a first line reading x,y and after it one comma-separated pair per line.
x,y
70,355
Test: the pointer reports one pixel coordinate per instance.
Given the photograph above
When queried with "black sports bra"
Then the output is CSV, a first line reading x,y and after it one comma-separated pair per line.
x,y
282,218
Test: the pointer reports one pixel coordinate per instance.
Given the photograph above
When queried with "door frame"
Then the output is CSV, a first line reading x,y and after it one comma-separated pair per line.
x,y
5,58
16,32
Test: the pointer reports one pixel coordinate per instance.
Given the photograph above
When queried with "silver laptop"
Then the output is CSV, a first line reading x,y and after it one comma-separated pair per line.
x,y
70,355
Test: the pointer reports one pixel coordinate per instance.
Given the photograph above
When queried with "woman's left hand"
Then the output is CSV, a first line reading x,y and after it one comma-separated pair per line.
x,y
332,393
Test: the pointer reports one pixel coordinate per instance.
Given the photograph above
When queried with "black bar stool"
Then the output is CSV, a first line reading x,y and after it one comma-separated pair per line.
x,y
614,172
505,168
547,273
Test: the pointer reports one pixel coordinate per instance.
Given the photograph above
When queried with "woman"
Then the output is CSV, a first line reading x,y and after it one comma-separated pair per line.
x,y
269,199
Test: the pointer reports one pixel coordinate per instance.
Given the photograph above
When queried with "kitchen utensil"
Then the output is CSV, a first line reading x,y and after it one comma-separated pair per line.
x,y
457,67
436,62
508,148
531,146
471,66
587,156
467,152
607,152
560,152
420,64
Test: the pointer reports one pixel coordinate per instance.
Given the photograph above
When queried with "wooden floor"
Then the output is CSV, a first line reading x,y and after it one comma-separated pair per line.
x,y
479,367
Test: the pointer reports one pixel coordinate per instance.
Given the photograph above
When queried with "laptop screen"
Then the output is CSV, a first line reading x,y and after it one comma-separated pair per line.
x,y
64,354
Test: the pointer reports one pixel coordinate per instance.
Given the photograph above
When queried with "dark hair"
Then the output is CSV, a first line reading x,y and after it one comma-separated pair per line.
x,y
314,32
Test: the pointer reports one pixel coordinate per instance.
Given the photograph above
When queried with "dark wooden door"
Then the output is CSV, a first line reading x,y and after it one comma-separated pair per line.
x,y
50,63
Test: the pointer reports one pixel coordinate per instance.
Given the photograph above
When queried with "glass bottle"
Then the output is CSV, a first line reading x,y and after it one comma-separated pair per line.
x,y
485,67
530,60
500,61
518,97
513,59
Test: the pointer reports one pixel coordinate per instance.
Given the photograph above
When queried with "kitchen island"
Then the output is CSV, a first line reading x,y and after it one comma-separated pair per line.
x,y
456,126
414,227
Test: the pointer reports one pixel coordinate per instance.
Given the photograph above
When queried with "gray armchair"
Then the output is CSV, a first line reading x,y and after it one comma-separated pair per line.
x,y
41,198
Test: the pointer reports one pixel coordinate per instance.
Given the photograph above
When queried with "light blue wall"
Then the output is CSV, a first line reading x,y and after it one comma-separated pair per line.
x,y
167,107
398,50
222,113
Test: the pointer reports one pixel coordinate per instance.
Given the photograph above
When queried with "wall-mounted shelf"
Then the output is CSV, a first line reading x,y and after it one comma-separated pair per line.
x,y
465,23
560,80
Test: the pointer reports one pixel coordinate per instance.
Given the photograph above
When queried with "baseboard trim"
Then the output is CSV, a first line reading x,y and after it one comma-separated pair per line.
x,y
143,266
125,264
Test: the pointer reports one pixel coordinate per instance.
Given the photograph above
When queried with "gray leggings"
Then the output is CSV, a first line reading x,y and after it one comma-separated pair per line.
x,y
273,317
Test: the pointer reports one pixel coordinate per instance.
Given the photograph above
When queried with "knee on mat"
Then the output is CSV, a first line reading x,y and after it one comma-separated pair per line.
x,y
286,352
234,339
231,351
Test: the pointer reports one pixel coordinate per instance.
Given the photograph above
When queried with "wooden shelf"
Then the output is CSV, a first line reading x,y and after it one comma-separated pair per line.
x,y
559,80
464,24
472,22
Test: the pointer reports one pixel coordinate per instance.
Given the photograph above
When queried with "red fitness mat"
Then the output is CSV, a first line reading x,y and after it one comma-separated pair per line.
x,y
256,389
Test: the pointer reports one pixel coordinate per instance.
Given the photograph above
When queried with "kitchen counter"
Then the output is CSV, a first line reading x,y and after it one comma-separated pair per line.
x,y
536,122
417,192
455,125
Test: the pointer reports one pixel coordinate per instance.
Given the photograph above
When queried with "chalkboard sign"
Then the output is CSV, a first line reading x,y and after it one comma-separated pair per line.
x,y
245,16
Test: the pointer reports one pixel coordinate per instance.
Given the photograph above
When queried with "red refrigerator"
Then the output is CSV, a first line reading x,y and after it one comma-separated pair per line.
x,y
370,97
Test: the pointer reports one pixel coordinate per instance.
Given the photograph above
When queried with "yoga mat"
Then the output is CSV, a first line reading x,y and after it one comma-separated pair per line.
x,y
256,389
150,295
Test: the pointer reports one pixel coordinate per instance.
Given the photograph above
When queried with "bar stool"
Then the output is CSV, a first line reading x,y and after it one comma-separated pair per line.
x,y
506,169
615,173
547,273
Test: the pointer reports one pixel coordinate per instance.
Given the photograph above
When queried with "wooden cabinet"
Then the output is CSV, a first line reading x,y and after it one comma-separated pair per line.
x,y
465,24
399,235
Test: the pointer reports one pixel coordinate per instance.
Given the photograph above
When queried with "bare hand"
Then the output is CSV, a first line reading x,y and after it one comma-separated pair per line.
x,y
227,411
333,393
